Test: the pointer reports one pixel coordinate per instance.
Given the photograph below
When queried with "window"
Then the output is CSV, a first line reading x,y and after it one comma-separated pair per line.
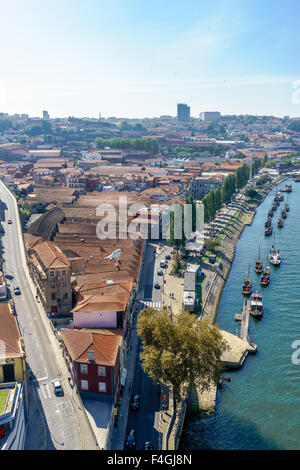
x,y
64,273
84,368
53,285
64,284
52,273
102,387
102,371
65,296
84,385
53,296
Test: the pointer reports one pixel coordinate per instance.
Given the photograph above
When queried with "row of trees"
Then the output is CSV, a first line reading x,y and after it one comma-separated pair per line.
x,y
145,143
215,198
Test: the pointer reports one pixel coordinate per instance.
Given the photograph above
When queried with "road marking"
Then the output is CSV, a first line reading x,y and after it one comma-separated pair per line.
x,y
48,390
39,380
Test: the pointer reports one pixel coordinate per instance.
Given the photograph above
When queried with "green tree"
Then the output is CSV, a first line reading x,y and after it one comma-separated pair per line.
x,y
183,355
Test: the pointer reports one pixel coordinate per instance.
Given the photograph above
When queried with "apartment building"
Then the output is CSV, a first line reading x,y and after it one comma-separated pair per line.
x,y
201,186
51,271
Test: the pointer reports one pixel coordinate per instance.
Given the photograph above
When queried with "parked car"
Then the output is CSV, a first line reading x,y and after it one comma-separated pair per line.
x,y
17,290
130,441
148,445
162,264
168,257
9,221
58,390
156,285
160,272
135,402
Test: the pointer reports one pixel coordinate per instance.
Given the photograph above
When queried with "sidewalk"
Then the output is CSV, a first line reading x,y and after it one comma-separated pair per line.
x,y
119,432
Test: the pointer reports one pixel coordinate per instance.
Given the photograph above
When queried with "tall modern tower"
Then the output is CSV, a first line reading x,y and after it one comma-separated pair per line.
x,y
183,112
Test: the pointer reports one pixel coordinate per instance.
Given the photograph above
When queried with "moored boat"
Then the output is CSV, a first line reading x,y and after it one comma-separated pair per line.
x,y
280,223
271,212
258,267
274,256
265,278
247,286
256,305
283,214
269,231
287,208
268,223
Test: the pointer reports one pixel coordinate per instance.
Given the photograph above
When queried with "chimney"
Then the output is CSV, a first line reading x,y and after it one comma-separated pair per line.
x,y
91,355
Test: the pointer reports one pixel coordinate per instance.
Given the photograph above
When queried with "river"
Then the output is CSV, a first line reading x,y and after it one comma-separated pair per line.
x,y
260,408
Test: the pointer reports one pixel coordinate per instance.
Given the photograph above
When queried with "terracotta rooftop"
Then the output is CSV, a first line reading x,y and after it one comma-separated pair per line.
x,y
104,343
51,256
9,334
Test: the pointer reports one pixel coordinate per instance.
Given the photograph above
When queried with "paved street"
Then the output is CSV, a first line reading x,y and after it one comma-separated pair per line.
x,y
145,421
54,423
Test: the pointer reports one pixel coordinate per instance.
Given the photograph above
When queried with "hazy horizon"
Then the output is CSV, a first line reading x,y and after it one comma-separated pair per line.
x,y
138,59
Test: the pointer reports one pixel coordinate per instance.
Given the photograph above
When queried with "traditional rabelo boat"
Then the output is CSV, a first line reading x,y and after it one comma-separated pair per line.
x,y
269,231
274,256
265,278
271,212
247,286
258,267
280,223
283,214
268,223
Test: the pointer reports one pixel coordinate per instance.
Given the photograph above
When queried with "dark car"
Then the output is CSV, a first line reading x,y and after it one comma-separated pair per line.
x,y
148,445
135,402
130,441
160,272
168,257
17,290
156,285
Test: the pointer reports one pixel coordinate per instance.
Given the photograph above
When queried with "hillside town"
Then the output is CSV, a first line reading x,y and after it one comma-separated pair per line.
x,y
89,289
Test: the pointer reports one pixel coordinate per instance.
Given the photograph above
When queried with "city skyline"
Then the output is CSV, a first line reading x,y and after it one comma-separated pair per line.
x,y
140,59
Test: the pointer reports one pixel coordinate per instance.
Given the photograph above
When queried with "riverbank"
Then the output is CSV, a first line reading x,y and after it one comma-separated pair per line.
x,y
260,408
205,402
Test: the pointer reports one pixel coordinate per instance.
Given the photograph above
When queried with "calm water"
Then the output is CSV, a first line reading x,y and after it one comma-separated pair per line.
x,y
260,408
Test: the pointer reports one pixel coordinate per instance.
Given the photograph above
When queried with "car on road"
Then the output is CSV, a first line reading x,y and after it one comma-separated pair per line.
x,y
156,285
130,441
160,272
135,402
9,221
58,390
162,264
17,290
148,445
168,257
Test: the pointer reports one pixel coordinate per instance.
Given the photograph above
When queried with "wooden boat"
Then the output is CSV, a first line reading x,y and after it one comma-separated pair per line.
x,y
258,267
283,214
271,212
286,208
247,286
280,223
256,305
269,231
274,256
265,278
268,223
288,188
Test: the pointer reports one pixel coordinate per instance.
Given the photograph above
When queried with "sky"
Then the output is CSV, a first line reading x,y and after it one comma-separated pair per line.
x,y
139,58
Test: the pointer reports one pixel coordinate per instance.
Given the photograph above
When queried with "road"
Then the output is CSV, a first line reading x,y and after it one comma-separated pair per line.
x,y
145,421
54,422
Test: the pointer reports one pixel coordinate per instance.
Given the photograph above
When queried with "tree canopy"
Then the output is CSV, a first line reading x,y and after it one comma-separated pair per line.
x,y
183,354
146,143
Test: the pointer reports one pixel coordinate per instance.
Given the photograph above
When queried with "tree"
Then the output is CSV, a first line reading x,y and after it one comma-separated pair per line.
x,y
251,193
211,244
184,354
177,264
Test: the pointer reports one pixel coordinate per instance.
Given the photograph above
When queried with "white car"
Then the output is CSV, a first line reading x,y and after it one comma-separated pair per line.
x,y
58,390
